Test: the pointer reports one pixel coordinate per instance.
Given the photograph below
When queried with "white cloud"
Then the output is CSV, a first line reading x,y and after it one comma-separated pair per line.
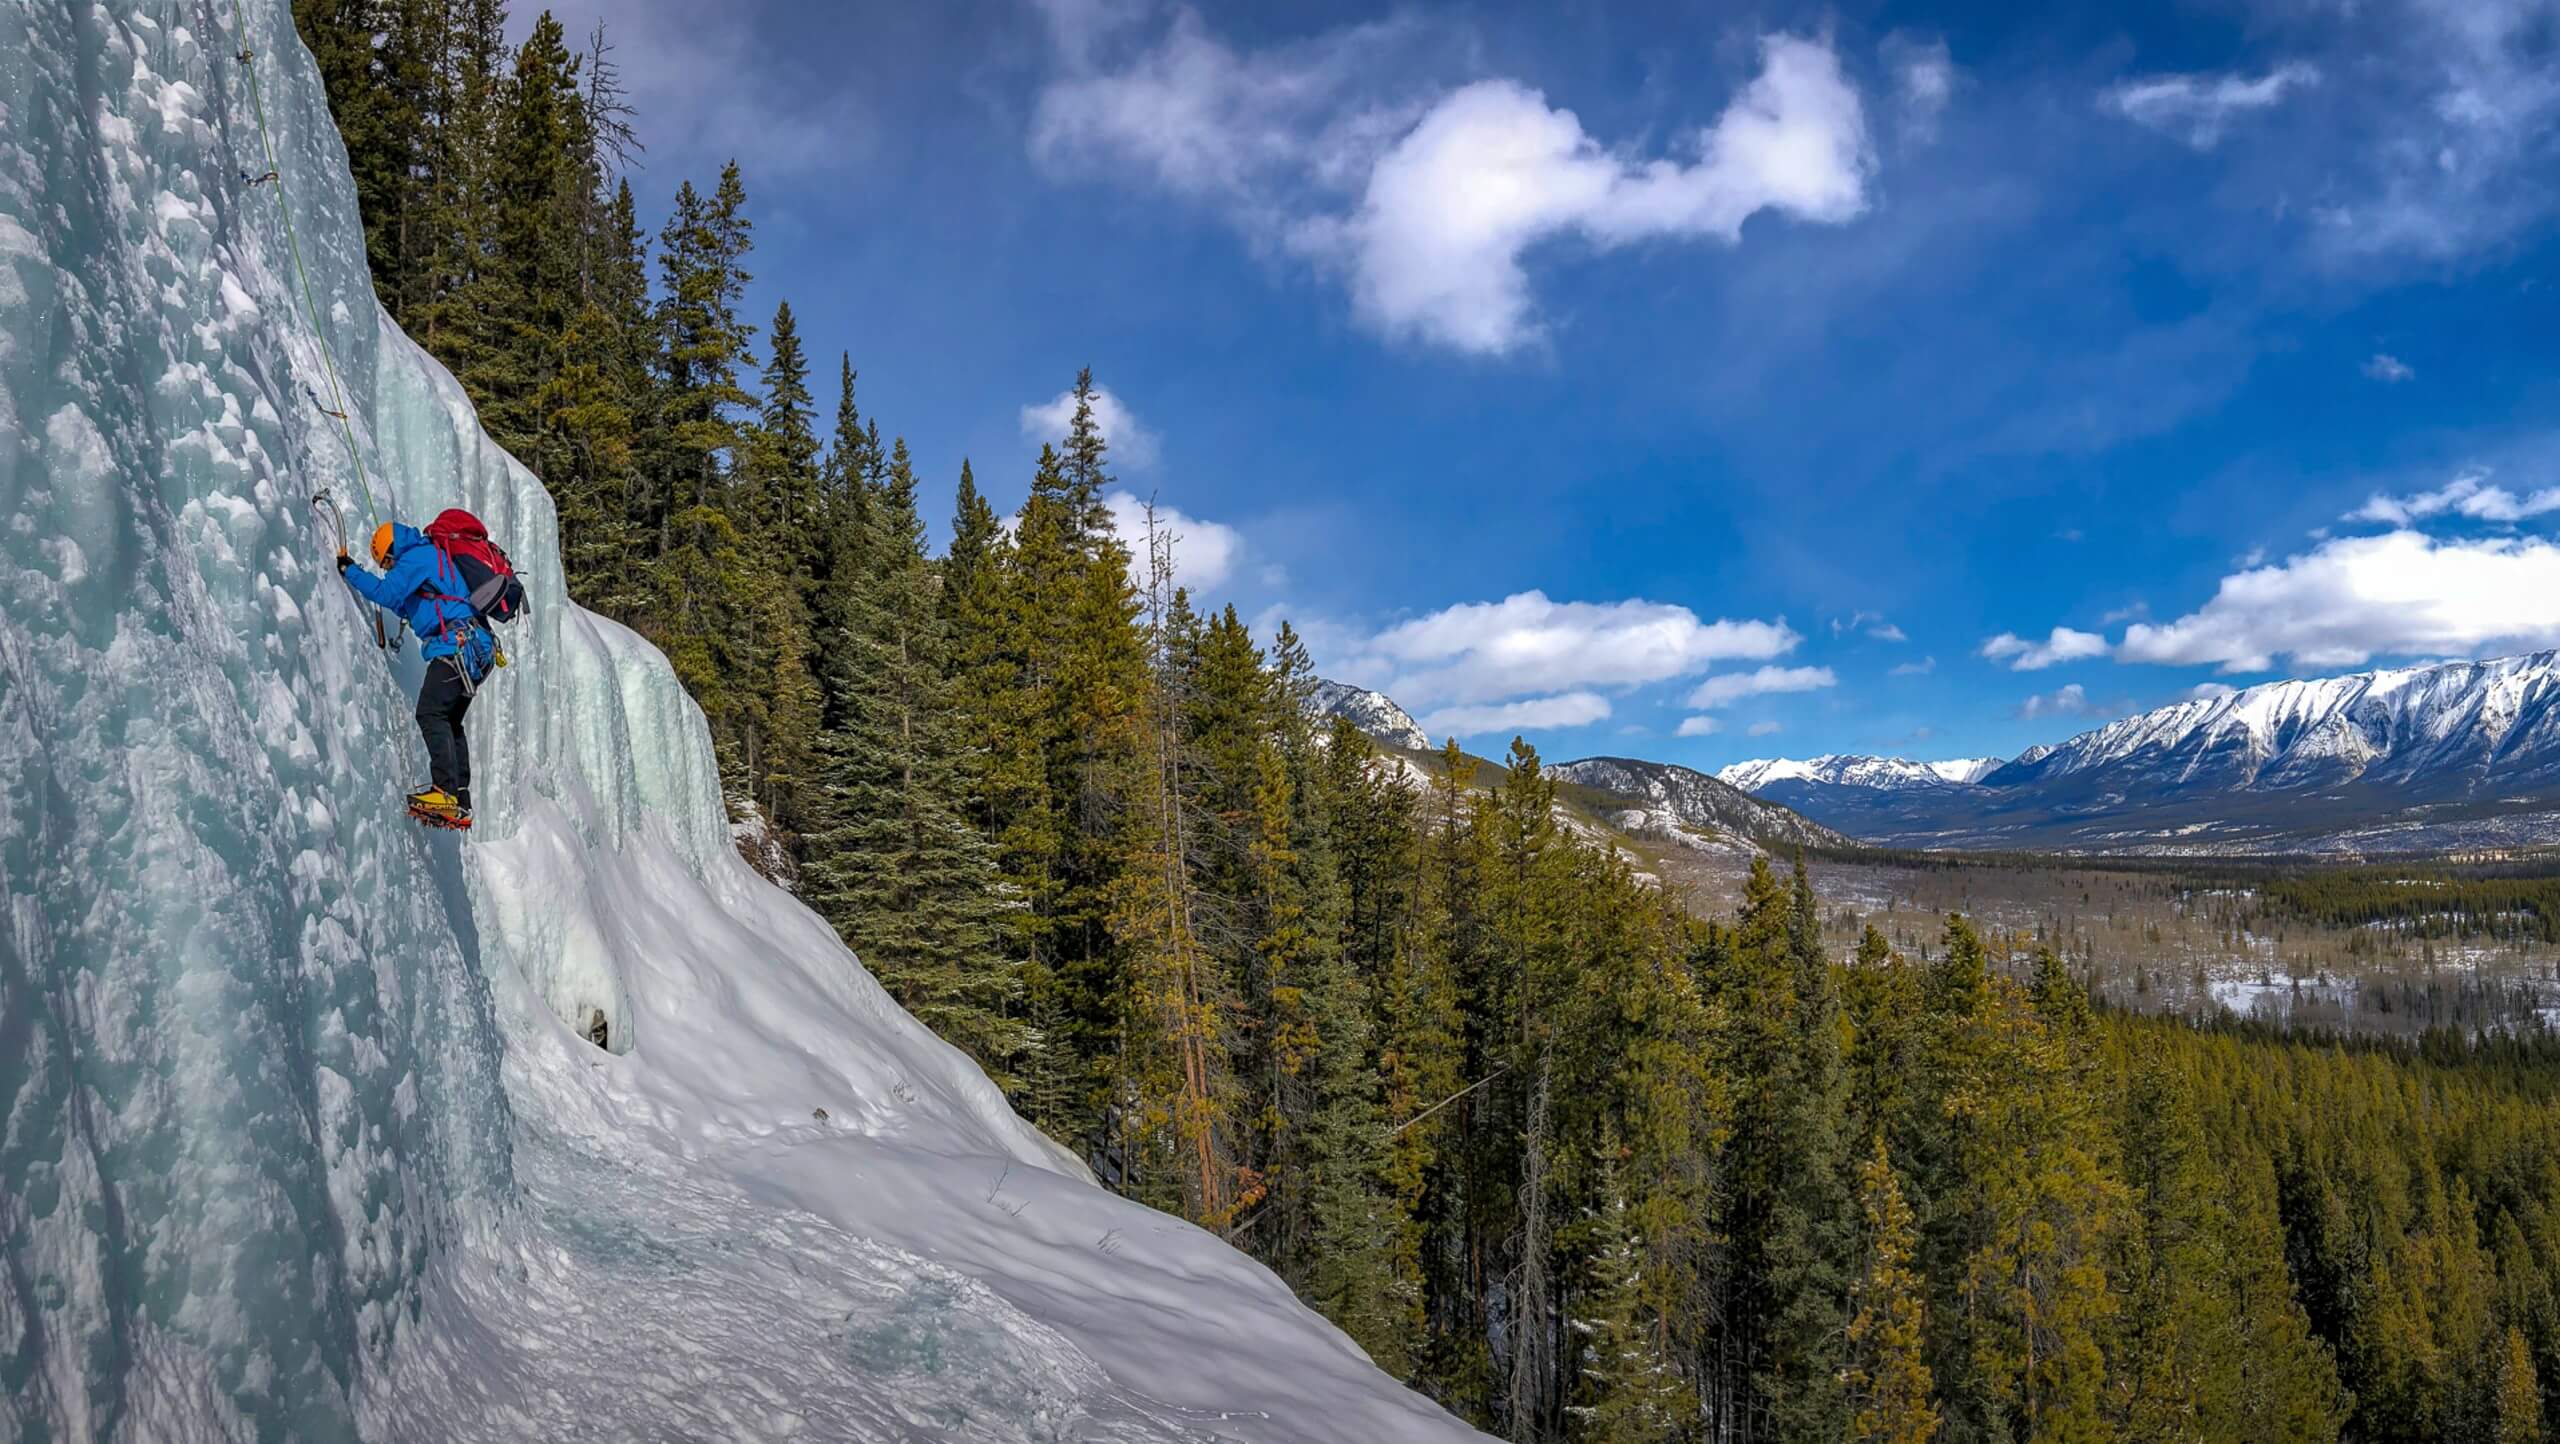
x,y
1921,668
2388,369
2467,495
2072,700
1732,687
1569,709
2197,108
2064,645
1132,444
1204,552
1700,726
1486,651
1924,80
1426,201
1434,248
1872,623
2210,691
1765,729
2458,115
2399,593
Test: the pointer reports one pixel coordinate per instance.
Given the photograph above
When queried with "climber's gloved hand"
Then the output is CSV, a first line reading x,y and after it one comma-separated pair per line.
x,y
344,561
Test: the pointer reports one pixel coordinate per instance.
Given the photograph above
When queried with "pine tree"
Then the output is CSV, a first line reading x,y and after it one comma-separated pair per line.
x,y
896,866
701,253
2043,1215
1887,1379
1174,1070
788,446
2519,1406
972,554
1627,1390
1786,1213
460,291
1083,470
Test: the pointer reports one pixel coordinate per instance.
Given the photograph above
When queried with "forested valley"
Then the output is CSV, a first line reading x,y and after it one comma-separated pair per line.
x,y
1577,1164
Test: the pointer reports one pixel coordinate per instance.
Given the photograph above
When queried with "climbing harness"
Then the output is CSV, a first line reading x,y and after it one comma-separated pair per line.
x,y
310,303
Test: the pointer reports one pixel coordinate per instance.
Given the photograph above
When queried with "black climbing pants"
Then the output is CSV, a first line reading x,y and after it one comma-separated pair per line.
x,y
442,699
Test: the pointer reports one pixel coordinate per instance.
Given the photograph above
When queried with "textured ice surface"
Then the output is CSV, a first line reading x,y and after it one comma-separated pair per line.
x,y
297,1139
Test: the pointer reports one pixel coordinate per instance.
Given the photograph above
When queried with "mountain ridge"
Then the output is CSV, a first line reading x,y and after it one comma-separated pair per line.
x,y
2428,757
2405,759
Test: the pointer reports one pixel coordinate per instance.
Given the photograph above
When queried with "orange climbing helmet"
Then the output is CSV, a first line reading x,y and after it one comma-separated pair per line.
x,y
382,545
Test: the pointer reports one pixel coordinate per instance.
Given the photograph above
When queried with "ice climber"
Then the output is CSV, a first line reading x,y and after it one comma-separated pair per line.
x,y
430,579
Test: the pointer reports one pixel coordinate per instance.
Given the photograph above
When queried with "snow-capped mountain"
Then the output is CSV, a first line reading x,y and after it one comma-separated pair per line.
x,y
2454,754
1890,774
2452,729
1665,799
1372,712
309,1133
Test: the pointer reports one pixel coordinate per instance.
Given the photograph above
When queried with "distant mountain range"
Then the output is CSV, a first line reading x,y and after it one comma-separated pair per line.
x,y
2456,755
2451,756
1885,774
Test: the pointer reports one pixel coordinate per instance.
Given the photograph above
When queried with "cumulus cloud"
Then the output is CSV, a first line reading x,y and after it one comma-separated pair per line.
x,y
1434,248
1700,726
1887,632
2065,645
2210,691
1921,668
1569,709
1204,552
2467,495
2198,108
1132,444
2388,369
2399,593
1765,729
1426,201
2072,700
1732,687
1527,643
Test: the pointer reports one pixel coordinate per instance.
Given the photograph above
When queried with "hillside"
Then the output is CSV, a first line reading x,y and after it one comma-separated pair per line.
x,y
1638,807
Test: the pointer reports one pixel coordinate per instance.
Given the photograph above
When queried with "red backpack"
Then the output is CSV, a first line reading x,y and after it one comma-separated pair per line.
x,y
489,585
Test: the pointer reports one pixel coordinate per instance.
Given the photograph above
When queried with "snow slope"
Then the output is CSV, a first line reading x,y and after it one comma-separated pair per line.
x,y
299,1138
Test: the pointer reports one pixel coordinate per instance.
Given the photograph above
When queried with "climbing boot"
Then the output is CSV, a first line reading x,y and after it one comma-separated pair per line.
x,y
438,808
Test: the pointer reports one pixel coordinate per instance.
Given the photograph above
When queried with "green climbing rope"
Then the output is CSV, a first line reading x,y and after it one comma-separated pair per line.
x,y
293,242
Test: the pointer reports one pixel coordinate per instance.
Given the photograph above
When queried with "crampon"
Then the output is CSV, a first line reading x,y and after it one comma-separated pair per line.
x,y
438,808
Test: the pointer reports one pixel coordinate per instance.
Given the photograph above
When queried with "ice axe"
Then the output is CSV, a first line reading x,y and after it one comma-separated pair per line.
x,y
325,507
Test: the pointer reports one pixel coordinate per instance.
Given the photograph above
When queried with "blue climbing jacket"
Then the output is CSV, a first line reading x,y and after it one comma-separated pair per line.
x,y
424,589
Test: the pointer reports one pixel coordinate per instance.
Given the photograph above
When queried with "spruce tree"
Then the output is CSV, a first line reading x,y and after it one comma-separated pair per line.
x,y
1627,1389
2519,1396
895,865
1887,1380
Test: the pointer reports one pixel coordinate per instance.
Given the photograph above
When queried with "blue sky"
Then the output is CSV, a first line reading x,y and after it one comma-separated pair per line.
x,y
1700,381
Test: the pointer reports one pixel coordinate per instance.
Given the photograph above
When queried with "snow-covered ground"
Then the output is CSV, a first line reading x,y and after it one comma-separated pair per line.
x,y
300,1135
